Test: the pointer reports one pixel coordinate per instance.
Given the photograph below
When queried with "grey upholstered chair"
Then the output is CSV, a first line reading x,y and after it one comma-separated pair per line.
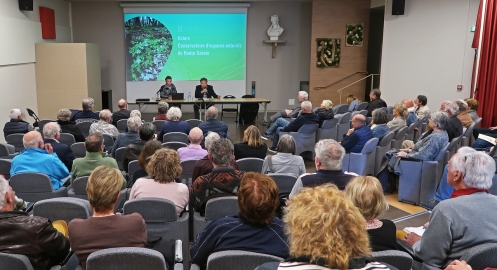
x,y
305,139
84,127
389,109
467,135
15,261
285,182
383,146
419,180
67,139
158,124
418,131
362,106
410,132
481,256
250,164
328,130
399,138
175,137
214,209
193,122
451,149
78,188
126,258
123,198
361,163
43,122
493,189
161,219
174,145
122,125
399,259
108,142
341,108
237,259
64,208
186,173
472,139
119,157
5,165
7,151
78,149
34,187
343,125
133,166
16,140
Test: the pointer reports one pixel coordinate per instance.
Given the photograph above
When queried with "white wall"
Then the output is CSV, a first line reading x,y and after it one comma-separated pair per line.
x,y
428,50
20,31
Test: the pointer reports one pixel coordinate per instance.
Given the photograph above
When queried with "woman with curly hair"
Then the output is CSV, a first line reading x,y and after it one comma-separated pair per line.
x,y
325,231
400,114
163,168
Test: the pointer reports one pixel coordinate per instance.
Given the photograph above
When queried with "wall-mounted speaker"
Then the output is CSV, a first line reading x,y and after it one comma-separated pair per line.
x,y
398,7
26,5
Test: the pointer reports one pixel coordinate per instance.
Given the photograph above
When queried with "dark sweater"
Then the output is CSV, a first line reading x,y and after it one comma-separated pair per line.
x,y
242,150
173,126
15,126
324,114
383,238
303,119
119,115
357,139
375,104
71,128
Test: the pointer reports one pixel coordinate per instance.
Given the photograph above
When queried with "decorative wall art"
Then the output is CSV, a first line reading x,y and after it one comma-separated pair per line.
x,y
354,35
328,52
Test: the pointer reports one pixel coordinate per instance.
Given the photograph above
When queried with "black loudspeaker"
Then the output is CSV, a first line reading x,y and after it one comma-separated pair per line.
x,y
107,99
398,7
26,5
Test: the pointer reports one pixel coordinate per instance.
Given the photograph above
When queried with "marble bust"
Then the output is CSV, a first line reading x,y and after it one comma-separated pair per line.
x,y
275,30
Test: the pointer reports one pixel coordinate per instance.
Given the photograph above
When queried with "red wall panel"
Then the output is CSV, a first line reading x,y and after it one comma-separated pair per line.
x,y
47,19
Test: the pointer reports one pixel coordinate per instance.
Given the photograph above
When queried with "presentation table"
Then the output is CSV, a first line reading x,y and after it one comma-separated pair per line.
x,y
263,101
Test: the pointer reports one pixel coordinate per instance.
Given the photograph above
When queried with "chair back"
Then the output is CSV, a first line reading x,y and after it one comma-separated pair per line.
x,y
78,149
193,122
328,130
384,109
307,129
370,146
7,151
67,139
43,122
389,109
119,157
410,131
345,118
15,261
331,123
174,145
383,146
126,258
237,259
342,108
399,138
33,187
108,141
16,140
122,125
477,122
156,212
250,164
175,137
221,207
65,209
364,112
387,139
399,259
84,127
285,182
133,166
158,124
187,172
5,165
481,256
362,106
79,185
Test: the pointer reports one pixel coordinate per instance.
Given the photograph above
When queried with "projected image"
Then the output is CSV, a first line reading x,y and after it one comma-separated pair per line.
x,y
148,46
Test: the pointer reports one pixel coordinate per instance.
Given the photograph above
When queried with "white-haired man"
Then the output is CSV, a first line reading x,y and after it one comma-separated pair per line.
x,y
51,132
328,161
464,221
123,139
194,149
28,235
293,113
213,125
16,124
104,125
87,114
39,157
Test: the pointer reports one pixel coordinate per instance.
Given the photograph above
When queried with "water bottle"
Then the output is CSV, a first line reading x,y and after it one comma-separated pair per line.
x,y
205,96
158,96
189,95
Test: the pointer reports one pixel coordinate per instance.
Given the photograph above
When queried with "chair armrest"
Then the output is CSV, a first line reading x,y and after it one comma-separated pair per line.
x,y
195,267
178,251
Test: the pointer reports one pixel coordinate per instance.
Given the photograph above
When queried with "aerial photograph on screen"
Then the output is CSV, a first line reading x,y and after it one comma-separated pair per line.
x,y
148,46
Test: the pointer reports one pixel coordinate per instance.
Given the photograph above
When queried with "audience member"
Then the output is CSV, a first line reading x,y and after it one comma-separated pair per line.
x,y
51,132
123,139
16,124
123,112
173,124
252,145
39,157
136,113
328,161
294,113
94,158
462,114
213,125
162,107
411,115
399,117
473,108
366,193
146,133
67,126
379,124
254,229
421,108
163,169
105,229
282,125
454,129
204,166
144,158
376,102
356,137
223,180
464,221
332,237
200,91
325,111
104,126
29,235
87,114
285,160
353,102
194,149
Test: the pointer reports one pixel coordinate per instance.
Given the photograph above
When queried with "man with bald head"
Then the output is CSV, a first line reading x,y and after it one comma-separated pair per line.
x,y
38,157
123,112
357,136
194,150
411,117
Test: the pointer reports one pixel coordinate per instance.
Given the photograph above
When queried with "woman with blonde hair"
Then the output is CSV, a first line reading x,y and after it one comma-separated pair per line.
x,y
163,169
366,193
400,114
324,112
353,102
325,231
252,144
